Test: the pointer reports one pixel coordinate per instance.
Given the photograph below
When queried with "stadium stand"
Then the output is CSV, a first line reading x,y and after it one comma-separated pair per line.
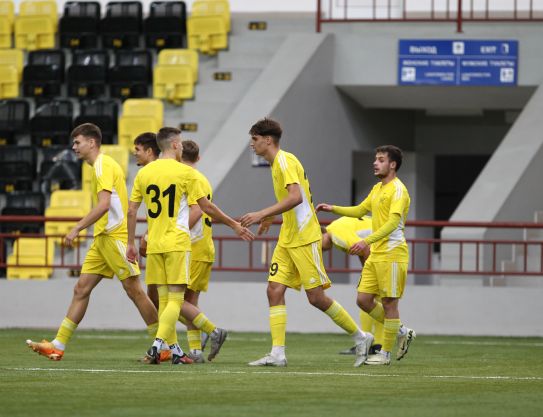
x,y
139,115
174,81
166,25
79,27
220,8
131,74
52,123
121,27
103,113
14,116
87,76
59,169
43,75
36,25
30,251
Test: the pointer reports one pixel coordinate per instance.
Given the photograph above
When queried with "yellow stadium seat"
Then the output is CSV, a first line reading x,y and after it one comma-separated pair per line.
x,y
66,203
206,34
9,82
139,116
33,33
213,8
14,58
120,153
174,83
180,57
7,10
41,8
31,251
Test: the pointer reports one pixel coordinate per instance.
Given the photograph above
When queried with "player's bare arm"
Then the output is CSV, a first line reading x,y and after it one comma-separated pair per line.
x,y
101,208
195,214
213,211
293,198
131,252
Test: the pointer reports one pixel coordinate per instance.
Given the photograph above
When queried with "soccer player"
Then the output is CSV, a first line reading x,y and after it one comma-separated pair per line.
x,y
146,150
343,233
106,256
385,271
167,187
297,258
203,251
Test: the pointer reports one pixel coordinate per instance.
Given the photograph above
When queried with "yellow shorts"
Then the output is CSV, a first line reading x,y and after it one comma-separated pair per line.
x,y
385,279
200,273
299,266
171,268
347,231
107,257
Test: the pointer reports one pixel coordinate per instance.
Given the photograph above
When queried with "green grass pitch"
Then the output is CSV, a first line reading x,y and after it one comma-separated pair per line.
x,y
441,376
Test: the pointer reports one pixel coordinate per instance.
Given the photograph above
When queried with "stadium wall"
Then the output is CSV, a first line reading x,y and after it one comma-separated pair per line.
x,y
244,307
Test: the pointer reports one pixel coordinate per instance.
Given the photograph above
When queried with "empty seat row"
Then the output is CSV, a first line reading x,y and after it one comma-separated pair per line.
x,y
90,74
54,120
81,25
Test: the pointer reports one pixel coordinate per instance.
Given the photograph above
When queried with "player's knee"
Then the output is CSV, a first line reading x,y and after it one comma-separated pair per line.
x,y
81,291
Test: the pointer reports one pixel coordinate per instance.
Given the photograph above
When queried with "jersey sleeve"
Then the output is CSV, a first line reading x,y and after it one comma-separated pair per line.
x,y
290,173
195,190
399,202
136,196
104,180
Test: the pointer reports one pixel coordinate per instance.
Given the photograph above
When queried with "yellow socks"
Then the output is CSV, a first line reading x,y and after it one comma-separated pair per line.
x,y
390,333
340,316
168,318
378,312
194,338
203,323
278,324
366,322
152,329
64,334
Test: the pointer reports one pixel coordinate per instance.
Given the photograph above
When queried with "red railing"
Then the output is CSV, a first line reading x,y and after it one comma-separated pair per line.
x,y
474,256
457,11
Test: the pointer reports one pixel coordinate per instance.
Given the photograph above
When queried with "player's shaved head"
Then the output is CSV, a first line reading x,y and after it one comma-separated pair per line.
x,y
166,136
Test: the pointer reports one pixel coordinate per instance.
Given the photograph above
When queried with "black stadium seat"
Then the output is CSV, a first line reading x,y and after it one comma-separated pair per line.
x,y
103,113
52,123
79,26
87,76
43,75
23,203
18,168
121,27
166,26
13,120
131,74
60,169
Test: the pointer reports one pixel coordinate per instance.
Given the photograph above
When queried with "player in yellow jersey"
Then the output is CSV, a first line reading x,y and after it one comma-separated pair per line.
x,y
106,256
385,271
203,252
297,258
343,233
167,187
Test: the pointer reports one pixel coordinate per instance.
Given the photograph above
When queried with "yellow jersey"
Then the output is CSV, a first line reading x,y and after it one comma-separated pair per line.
x,y
166,187
201,234
346,231
300,224
108,175
383,201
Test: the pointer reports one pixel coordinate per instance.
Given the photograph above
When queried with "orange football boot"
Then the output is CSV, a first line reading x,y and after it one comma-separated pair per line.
x,y
45,348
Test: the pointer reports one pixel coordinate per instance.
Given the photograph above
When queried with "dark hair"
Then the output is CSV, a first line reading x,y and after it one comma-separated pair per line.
x,y
148,140
191,151
88,130
394,154
267,127
166,134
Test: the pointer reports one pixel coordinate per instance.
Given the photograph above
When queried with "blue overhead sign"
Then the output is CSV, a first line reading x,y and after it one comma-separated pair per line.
x,y
458,62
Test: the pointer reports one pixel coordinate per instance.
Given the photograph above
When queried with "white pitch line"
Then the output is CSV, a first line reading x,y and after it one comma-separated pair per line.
x,y
279,372
481,343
